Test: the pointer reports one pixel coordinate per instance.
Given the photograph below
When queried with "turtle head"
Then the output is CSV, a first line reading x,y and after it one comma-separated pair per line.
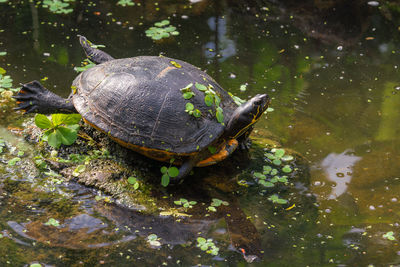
x,y
246,115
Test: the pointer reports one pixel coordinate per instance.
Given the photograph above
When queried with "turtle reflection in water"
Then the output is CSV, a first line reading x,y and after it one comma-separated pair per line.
x,y
140,103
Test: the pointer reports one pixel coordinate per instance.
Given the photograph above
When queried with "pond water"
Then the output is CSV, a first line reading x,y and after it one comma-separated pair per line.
x,y
332,71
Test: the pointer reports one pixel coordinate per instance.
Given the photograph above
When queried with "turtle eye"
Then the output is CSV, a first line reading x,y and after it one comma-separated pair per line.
x,y
258,102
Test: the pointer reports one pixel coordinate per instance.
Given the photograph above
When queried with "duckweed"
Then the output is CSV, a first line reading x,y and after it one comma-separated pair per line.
x,y
58,6
207,245
185,203
161,30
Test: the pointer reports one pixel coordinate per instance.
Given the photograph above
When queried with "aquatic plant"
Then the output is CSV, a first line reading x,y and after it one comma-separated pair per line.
x,y
168,173
185,203
272,171
161,30
61,129
6,82
216,203
52,222
153,240
207,245
275,199
389,236
125,3
133,181
85,65
58,6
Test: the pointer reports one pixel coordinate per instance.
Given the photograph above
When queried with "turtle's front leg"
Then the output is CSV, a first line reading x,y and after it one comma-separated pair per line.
x,y
33,97
244,140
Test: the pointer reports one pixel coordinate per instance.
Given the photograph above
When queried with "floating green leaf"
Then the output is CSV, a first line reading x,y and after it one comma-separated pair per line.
x,y
125,3
389,235
287,169
161,30
52,222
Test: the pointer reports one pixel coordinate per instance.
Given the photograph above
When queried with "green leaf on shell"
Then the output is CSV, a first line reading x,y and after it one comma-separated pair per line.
x,y
209,100
189,107
197,113
219,114
188,95
201,87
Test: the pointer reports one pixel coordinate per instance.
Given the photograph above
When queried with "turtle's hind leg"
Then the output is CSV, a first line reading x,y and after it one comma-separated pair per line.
x,y
33,97
94,54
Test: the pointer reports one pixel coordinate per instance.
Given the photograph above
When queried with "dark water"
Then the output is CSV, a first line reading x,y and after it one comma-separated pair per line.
x,y
332,70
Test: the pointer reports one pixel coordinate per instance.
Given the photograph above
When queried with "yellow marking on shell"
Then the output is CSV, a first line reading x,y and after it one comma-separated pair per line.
x,y
164,72
175,64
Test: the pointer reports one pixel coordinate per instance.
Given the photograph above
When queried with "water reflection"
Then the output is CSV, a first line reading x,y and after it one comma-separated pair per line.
x,y
339,169
221,46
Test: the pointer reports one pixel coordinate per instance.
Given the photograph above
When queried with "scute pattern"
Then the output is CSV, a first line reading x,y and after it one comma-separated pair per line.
x,y
138,100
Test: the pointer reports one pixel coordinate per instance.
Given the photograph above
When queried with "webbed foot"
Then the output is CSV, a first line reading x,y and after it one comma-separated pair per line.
x,y
245,144
33,97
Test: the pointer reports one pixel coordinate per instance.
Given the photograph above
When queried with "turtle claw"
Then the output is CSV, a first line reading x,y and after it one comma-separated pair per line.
x,y
28,97
245,144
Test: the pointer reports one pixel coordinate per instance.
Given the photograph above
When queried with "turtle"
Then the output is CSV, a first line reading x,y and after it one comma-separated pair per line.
x,y
163,108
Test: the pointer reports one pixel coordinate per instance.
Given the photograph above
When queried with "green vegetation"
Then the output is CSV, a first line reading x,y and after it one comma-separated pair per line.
x,y
125,3
216,203
53,222
153,240
194,112
161,30
187,92
389,236
133,181
271,173
211,98
185,203
61,129
276,199
2,145
168,173
207,245
6,82
85,64
58,6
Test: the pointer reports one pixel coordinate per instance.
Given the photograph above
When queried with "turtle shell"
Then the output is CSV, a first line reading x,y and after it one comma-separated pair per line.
x,y
138,102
